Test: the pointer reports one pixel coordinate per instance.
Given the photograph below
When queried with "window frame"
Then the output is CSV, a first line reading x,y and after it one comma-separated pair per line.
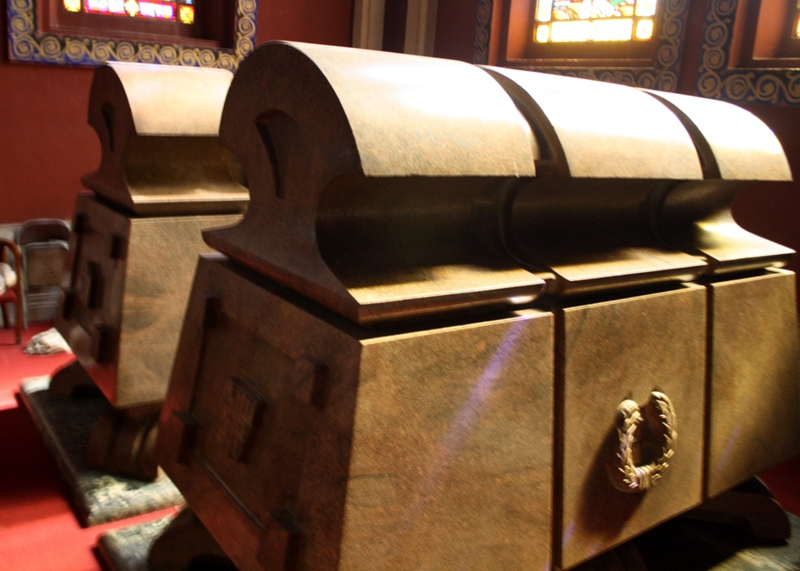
x,y
30,41
728,69
657,71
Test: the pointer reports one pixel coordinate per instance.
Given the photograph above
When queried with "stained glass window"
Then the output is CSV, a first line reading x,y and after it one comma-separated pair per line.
x,y
560,21
181,11
796,25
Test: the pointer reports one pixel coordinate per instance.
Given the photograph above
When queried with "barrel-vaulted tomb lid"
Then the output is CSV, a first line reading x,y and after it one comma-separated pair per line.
x,y
158,127
413,115
607,130
744,148
340,141
173,100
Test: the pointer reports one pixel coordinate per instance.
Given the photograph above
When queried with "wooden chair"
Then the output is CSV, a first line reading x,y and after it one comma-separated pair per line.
x,y
13,294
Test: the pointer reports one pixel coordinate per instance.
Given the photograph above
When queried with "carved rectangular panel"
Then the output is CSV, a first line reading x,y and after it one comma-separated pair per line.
x,y
452,449
622,350
754,378
453,434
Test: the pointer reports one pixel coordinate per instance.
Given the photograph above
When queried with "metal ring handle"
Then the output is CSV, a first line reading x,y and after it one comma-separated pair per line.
x,y
642,478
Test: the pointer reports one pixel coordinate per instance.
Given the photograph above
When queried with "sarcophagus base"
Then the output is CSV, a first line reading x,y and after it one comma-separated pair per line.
x,y
126,293
321,442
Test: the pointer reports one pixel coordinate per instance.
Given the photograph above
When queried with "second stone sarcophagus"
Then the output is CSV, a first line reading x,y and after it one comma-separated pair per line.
x,y
163,178
475,318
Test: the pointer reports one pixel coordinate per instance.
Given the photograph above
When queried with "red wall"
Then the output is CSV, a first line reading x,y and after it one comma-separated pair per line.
x,y
45,142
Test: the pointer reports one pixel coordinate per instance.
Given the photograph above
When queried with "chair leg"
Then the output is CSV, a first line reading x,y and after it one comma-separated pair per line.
x,y
5,315
25,311
18,318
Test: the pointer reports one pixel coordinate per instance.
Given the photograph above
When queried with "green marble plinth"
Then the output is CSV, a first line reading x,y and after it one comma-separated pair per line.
x,y
702,546
175,543
126,549
65,425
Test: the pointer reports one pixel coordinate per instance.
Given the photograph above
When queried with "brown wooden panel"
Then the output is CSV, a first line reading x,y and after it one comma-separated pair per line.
x,y
755,378
617,350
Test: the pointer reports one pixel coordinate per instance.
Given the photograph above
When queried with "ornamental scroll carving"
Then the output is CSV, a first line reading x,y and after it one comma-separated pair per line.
x,y
718,80
663,75
28,44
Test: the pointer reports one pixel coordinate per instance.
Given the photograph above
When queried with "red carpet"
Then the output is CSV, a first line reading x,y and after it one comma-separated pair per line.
x,y
38,529
16,365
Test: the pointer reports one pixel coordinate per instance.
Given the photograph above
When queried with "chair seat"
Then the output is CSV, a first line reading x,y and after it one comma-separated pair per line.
x,y
8,296
13,293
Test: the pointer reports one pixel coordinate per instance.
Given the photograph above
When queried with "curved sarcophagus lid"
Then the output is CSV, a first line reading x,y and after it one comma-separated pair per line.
x,y
736,148
368,171
158,127
629,185
386,186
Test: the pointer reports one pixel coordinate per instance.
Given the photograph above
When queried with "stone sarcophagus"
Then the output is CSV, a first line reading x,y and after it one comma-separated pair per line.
x,y
475,318
163,178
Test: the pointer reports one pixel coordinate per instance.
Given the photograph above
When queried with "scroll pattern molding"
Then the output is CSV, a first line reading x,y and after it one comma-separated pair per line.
x,y
717,80
28,44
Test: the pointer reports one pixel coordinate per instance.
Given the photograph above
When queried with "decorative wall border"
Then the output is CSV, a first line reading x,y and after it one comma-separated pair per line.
x,y
483,32
663,75
716,80
27,44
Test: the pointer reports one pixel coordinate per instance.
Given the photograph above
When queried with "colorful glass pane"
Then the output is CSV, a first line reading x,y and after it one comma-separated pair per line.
x,y
186,14
796,28
157,10
646,7
105,6
594,20
644,30
544,10
543,33
182,11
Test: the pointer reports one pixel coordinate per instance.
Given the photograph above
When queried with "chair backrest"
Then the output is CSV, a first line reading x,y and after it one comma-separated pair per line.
x,y
42,230
5,246
44,262
14,294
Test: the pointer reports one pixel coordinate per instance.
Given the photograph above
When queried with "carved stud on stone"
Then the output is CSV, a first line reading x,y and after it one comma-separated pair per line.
x,y
189,428
212,310
282,542
118,249
311,382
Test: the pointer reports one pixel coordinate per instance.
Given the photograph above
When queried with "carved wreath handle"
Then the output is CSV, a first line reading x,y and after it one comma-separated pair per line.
x,y
641,478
